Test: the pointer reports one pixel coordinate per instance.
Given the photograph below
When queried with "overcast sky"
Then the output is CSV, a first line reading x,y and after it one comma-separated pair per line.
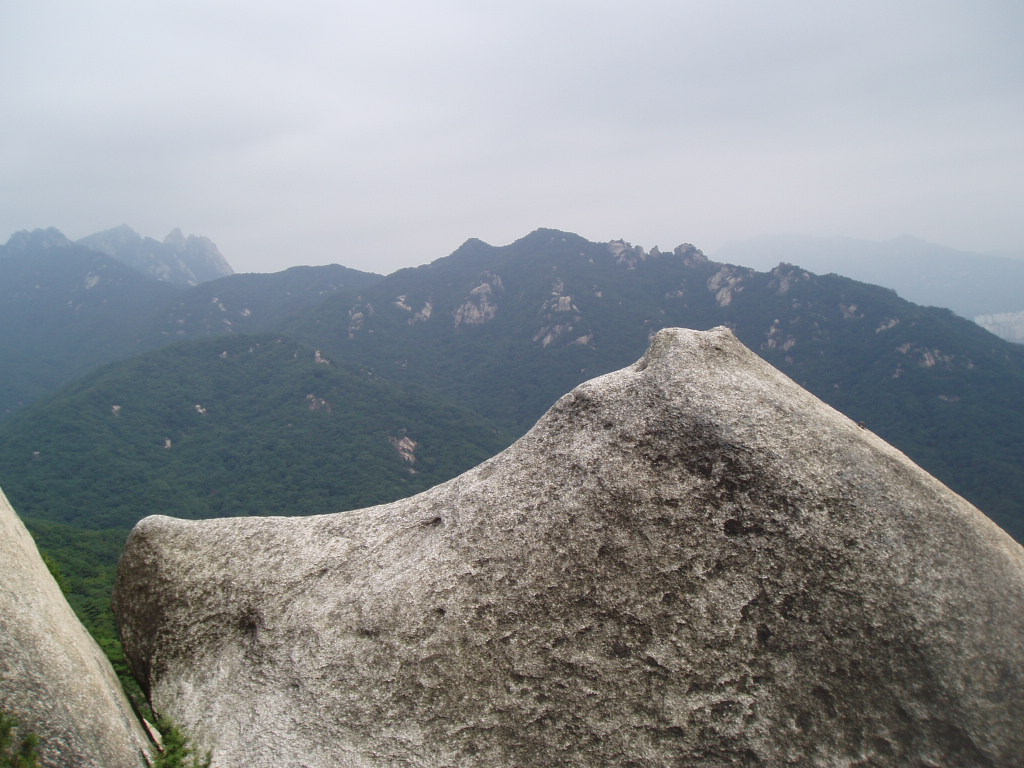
x,y
384,134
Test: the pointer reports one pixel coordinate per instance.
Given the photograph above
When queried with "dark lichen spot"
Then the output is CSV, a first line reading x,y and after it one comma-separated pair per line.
x,y
620,650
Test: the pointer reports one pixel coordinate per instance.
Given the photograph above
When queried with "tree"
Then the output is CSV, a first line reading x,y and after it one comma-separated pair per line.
x,y
17,751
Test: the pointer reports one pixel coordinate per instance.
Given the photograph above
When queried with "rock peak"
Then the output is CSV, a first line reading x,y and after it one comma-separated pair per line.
x,y
182,259
39,239
176,238
688,560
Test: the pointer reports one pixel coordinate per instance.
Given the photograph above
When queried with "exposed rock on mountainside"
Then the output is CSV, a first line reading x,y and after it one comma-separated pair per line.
x,y
568,309
178,259
481,304
691,561
53,676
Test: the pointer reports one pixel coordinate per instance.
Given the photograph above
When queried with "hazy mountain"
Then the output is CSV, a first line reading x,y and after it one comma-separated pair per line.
x,y
64,309
178,259
969,283
506,330
251,303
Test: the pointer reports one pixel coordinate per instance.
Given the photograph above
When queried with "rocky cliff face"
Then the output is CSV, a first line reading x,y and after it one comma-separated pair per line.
x,y
689,562
53,676
178,259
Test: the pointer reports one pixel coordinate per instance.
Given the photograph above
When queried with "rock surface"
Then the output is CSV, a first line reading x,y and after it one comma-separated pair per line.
x,y
688,562
53,676
178,259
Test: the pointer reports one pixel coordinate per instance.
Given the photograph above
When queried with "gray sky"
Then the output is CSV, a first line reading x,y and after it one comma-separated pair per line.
x,y
383,134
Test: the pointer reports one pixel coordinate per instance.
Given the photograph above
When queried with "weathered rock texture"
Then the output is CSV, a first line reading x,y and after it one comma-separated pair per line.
x,y
53,676
689,562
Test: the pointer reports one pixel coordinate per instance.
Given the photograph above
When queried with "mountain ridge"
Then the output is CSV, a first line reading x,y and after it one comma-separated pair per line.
x,y
505,330
969,283
177,259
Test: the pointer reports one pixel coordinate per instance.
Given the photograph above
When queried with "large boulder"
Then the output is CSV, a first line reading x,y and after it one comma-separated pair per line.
x,y
688,562
53,676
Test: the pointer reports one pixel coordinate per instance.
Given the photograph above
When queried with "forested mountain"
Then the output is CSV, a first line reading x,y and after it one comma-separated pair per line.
x,y
66,308
237,425
250,303
506,330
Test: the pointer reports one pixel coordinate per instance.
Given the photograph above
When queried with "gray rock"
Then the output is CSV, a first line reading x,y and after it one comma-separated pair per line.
x,y
53,676
178,259
688,562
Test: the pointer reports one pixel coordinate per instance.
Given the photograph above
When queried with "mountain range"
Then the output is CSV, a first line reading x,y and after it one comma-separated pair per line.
x,y
177,259
503,331
66,308
327,388
982,287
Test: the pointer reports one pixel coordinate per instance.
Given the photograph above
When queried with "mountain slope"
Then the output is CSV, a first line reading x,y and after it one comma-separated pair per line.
x,y
505,330
250,303
232,426
65,309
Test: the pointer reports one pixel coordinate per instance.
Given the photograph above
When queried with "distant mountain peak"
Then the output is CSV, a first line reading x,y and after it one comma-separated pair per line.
x,y
51,237
123,230
967,282
176,237
181,259
547,235
629,254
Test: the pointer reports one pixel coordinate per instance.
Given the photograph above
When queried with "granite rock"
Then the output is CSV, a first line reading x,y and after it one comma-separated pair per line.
x,y
53,676
688,562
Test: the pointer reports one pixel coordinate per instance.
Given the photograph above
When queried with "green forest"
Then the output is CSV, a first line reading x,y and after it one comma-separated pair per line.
x,y
212,428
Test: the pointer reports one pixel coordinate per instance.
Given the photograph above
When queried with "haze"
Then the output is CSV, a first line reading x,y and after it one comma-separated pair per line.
x,y
381,135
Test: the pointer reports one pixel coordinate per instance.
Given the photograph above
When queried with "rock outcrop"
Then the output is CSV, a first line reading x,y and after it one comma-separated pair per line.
x,y
53,676
688,562
178,259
